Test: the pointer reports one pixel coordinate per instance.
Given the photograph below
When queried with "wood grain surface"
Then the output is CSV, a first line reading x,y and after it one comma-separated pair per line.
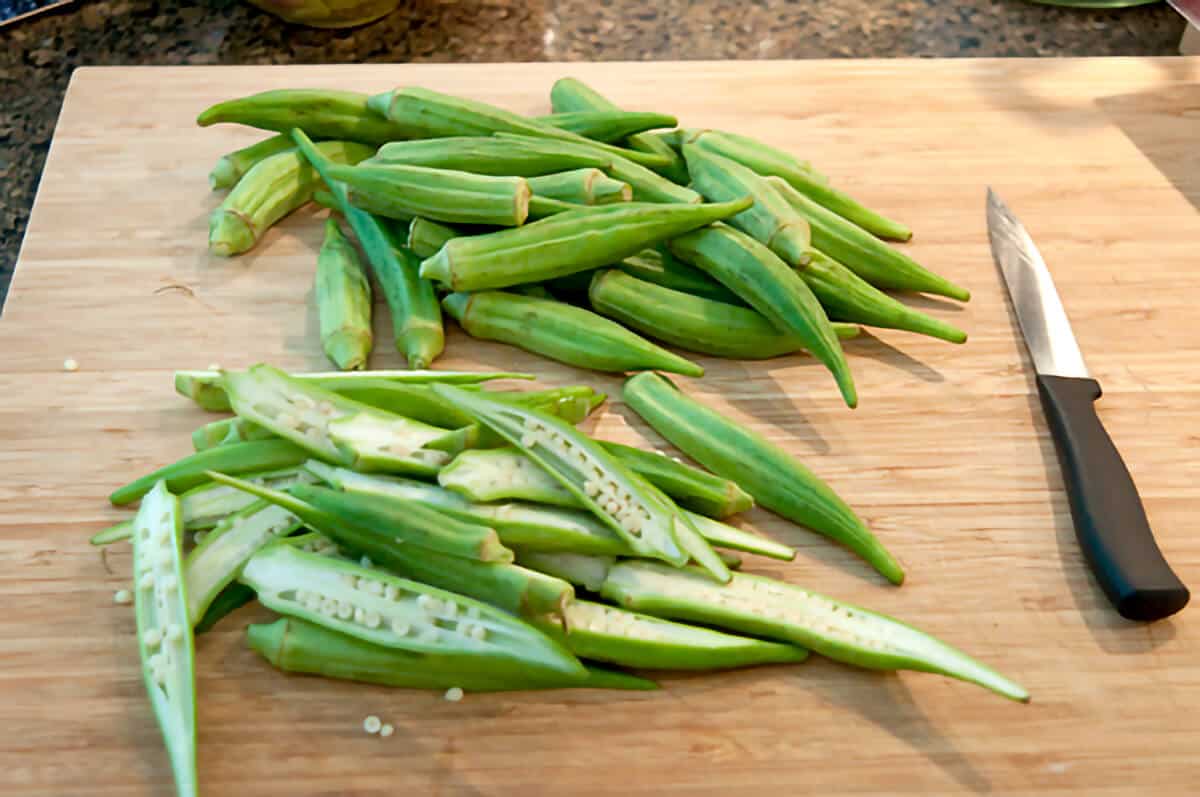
x,y
948,456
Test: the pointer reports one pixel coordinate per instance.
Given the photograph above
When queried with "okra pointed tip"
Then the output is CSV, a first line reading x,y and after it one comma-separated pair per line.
x,y
348,349
437,267
266,639
223,175
456,304
380,103
229,233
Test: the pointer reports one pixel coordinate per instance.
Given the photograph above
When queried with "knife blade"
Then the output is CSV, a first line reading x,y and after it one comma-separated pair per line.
x,y
1189,9
1110,521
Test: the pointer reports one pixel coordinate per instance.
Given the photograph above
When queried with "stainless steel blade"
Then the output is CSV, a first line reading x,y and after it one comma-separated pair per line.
x,y
1039,310
1189,9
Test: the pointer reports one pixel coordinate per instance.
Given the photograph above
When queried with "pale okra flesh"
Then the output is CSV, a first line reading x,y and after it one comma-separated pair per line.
x,y
395,612
226,431
776,479
765,607
609,127
489,155
566,243
582,570
297,646
164,632
321,113
343,296
693,322
231,166
689,487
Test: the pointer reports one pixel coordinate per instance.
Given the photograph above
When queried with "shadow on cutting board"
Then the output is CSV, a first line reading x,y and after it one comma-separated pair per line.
x,y
867,345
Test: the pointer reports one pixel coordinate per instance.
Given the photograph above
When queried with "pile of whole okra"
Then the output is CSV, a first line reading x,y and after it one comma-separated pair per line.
x,y
424,529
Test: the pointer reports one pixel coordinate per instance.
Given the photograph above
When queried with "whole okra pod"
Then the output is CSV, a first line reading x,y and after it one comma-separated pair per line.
x,y
659,266
490,155
231,166
321,113
689,487
561,332
425,236
610,127
343,301
776,479
580,186
566,243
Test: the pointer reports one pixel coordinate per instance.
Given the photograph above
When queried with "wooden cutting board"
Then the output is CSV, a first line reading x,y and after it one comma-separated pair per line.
x,y
947,457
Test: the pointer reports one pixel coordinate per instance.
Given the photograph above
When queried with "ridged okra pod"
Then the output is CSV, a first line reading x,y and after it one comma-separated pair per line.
x,y
230,167
863,253
776,479
272,189
582,570
416,315
628,639
689,487
569,94
343,301
580,186
566,243
426,236
164,632
394,612
561,332
226,431
490,155
766,283
601,483
693,322
297,646
768,161
335,428
659,266
610,127
765,607
436,115
207,390
770,220
848,297
321,113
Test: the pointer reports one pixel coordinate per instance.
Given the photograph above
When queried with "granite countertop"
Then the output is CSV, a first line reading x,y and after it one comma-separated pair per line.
x,y
40,54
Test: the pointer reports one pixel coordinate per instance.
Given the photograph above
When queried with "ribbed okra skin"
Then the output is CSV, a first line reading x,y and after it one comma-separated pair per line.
x,y
321,113
770,608
689,487
776,479
658,266
566,243
489,155
766,283
608,126
343,297
230,167
863,253
561,332
580,186
426,236
693,322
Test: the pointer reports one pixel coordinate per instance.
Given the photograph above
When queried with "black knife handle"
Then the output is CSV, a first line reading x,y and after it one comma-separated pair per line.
x,y
1110,521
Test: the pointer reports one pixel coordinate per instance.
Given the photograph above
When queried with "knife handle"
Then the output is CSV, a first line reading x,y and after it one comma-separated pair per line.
x,y
1110,521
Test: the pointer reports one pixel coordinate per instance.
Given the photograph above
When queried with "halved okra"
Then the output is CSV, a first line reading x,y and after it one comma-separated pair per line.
x,y
231,166
206,389
581,186
565,243
582,570
765,607
321,113
164,631
628,639
214,563
226,431
776,479
489,155
607,126
335,428
343,297
561,332
598,479
297,646
689,487
693,322
397,613
507,586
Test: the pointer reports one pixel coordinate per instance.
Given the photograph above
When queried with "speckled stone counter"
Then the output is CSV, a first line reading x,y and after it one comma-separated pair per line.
x,y
37,57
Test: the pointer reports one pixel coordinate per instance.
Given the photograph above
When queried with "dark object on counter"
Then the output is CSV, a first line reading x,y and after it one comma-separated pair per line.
x,y
14,11
1110,521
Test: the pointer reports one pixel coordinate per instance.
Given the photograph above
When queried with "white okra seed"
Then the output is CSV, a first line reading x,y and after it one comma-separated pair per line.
x,y
146,581
399,627
390,592
454,694
372,724
174,632
151,638
387,730
359,615
345,610
371,619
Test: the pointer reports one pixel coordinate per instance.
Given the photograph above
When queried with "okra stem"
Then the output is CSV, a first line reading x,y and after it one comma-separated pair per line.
x,y
343,297
231,166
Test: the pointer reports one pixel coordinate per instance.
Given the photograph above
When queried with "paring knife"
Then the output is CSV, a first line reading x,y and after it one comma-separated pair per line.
x,y
1110,521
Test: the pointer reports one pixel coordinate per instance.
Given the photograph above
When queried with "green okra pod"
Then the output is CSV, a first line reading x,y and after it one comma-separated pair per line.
x,y
436,115
693,322
226,431
768,161
343,301
489,155
776,479
321,113
660,267
273,188
582,570
228,600
689,487
561,332
231,166
646,185
164,632
568,95
769,220
335,428
236,458
863,253
297,646
848,297
765,607
582,187
416,315
610,127
206,389
752,271
399,613
566,243
425,237
628,639
540,207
